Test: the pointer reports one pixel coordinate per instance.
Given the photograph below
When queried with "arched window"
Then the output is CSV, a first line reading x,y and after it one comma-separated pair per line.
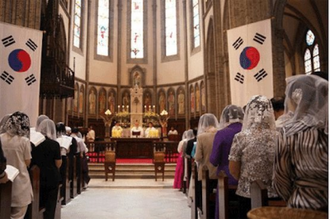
x,y
77,23
171,44
103,28
137,29
195,23
311,56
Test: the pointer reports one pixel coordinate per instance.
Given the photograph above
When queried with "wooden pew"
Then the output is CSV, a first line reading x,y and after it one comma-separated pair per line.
x,y
5,199
65,188
73,177
228,201
259,196
223,196
208,195
34,210
194,192
58,203
79,173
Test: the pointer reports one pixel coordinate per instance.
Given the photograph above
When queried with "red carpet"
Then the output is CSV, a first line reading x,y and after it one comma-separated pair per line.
x,y
121,160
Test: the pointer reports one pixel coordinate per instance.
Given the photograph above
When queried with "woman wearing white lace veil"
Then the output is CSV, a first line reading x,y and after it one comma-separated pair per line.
x,y
47,157
3,122
301,159
179,170
230,124
207,127
252,152
17,149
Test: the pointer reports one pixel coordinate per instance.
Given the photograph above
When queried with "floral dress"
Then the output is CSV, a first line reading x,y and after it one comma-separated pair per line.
x,y
254,148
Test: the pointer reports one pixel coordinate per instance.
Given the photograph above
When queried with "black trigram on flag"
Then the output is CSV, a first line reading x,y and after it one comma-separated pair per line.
x,y
31,45
239,77
7,77
259,38
238,43
7,41
30,79
260,75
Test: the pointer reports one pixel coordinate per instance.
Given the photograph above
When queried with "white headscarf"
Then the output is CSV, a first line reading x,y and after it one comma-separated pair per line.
x,y
231,114
207,122
259,113
307,100
40,119
3,122
47,128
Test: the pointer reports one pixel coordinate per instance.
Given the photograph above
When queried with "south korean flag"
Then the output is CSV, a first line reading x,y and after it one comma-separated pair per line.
x,y
20,62
250,61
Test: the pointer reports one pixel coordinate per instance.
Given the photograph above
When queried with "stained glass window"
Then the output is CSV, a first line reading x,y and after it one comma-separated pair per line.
x,y
171,44
137,29
103,28
310,37
77,24
195,22
308,62
311,59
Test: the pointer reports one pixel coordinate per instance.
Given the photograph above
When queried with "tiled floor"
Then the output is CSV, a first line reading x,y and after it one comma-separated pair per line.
x,y
128,199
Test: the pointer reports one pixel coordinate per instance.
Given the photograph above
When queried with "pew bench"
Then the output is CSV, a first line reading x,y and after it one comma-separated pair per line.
x,y
5,199
34,211
259,196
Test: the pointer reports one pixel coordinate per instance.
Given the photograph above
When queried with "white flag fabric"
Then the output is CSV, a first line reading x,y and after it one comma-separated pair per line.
x,y
20,62
250,61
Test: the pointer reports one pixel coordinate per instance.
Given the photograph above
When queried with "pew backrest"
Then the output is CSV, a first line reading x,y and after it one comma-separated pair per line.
x,y
5,199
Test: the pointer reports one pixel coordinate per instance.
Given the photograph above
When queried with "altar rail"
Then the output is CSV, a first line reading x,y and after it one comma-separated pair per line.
x,y
131,148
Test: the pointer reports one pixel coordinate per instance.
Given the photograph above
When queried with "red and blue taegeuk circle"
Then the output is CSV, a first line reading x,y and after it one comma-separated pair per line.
x,y
19,60
249,58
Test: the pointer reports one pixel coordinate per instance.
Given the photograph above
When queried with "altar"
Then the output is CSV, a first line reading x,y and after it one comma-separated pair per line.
x,y
134,147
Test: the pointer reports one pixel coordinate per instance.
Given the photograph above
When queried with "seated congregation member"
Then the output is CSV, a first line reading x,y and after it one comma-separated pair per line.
x,y
252,152
136,130
301,158
207,127
230,124
17,150
47,156
179,171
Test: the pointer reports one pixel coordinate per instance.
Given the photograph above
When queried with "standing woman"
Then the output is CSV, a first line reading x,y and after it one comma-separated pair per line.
x,y
47,157
179,169
207,128
230,124
17,149
301,161
252,152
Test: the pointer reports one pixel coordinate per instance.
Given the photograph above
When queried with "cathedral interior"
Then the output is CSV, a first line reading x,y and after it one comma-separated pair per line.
x,y
94,53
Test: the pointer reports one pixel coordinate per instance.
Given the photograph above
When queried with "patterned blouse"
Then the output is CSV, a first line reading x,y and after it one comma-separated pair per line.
x,y
301,169
254,149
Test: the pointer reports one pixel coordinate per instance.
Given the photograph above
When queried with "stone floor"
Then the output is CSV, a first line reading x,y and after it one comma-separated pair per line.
x,y
128,199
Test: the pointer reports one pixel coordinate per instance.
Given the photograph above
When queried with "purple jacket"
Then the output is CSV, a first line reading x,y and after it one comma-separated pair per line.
x,y
221,148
